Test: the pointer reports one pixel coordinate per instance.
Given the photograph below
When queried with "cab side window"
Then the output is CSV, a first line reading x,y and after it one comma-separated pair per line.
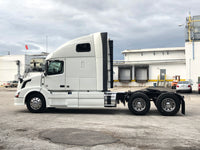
x,y
55,67
85,47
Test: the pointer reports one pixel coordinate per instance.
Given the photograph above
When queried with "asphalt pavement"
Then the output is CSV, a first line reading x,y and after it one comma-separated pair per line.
x,y
97,129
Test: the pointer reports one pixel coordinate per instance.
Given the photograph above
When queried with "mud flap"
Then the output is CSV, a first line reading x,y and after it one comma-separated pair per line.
x,y
183,106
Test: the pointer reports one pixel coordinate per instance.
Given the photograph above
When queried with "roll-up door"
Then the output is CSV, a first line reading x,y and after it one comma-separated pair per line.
x,y
141,74
125,74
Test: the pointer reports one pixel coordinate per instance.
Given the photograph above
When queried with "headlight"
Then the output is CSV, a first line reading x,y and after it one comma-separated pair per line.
x,y
17,94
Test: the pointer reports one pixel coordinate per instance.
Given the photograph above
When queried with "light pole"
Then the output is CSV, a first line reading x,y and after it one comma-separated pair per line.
x,y
46,43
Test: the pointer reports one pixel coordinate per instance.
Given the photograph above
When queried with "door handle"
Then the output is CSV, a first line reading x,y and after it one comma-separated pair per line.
x,y
62,86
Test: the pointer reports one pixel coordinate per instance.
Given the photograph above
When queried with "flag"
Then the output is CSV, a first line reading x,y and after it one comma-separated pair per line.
x,y
26,46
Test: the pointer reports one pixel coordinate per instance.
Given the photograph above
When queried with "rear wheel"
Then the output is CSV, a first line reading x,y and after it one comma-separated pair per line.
x,y
168,104
139,103
36,103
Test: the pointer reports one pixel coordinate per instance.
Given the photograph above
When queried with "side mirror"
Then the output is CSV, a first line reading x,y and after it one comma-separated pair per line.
x,y
45,70
20,80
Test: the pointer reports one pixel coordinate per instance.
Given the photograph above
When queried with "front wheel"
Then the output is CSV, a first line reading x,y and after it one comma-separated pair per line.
x,y
168,104
139,103
36,103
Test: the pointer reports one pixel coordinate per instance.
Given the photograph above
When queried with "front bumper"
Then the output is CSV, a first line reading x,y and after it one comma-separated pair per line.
x,y
18,101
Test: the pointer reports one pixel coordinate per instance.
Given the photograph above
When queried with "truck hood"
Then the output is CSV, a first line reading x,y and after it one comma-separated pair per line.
x,y
31,81
32,77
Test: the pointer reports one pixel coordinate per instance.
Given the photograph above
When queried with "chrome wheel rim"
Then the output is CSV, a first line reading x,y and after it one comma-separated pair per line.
x,y
36,103
139,104
168,104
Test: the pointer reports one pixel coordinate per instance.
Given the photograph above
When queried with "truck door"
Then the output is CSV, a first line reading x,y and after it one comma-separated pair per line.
x,y
55,75
55,82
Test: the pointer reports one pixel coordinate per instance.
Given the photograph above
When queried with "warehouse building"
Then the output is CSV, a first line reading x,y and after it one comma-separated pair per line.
x,y
159,66
148,67
14,66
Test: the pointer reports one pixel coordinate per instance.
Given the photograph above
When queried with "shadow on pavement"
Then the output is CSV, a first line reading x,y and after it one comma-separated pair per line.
x,y
119,111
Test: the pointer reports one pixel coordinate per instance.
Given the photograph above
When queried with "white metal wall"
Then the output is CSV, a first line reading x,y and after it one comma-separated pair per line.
x,y
171,70
144,55
193,62
8,67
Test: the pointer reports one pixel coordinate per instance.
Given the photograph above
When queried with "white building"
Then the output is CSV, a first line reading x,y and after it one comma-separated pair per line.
x,y
145,67
192,50
13,66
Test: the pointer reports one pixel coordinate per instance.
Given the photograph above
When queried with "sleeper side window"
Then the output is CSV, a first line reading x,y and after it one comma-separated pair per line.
x,y
84,47
54,67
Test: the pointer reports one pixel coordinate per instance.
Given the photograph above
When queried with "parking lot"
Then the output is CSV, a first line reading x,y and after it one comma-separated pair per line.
x,y
109,128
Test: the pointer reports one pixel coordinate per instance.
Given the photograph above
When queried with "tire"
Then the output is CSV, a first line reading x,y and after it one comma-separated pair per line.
x,y
168,104
139,103
36,103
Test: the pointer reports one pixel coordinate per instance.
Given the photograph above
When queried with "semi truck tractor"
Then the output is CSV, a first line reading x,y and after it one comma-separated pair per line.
x,y
79,74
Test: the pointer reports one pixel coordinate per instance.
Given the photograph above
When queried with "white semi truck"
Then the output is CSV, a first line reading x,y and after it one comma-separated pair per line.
x,y
78,75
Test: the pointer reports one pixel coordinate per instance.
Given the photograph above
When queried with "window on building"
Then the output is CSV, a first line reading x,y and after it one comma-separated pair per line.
x,y
167,52
141,54
85,47
54,67
154,53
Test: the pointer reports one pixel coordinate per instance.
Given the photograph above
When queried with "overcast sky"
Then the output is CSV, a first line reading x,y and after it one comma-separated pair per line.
x,y
132,24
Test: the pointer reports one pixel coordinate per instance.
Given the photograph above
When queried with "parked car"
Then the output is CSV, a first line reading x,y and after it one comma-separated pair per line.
x,y
10,84
199,88
184,86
